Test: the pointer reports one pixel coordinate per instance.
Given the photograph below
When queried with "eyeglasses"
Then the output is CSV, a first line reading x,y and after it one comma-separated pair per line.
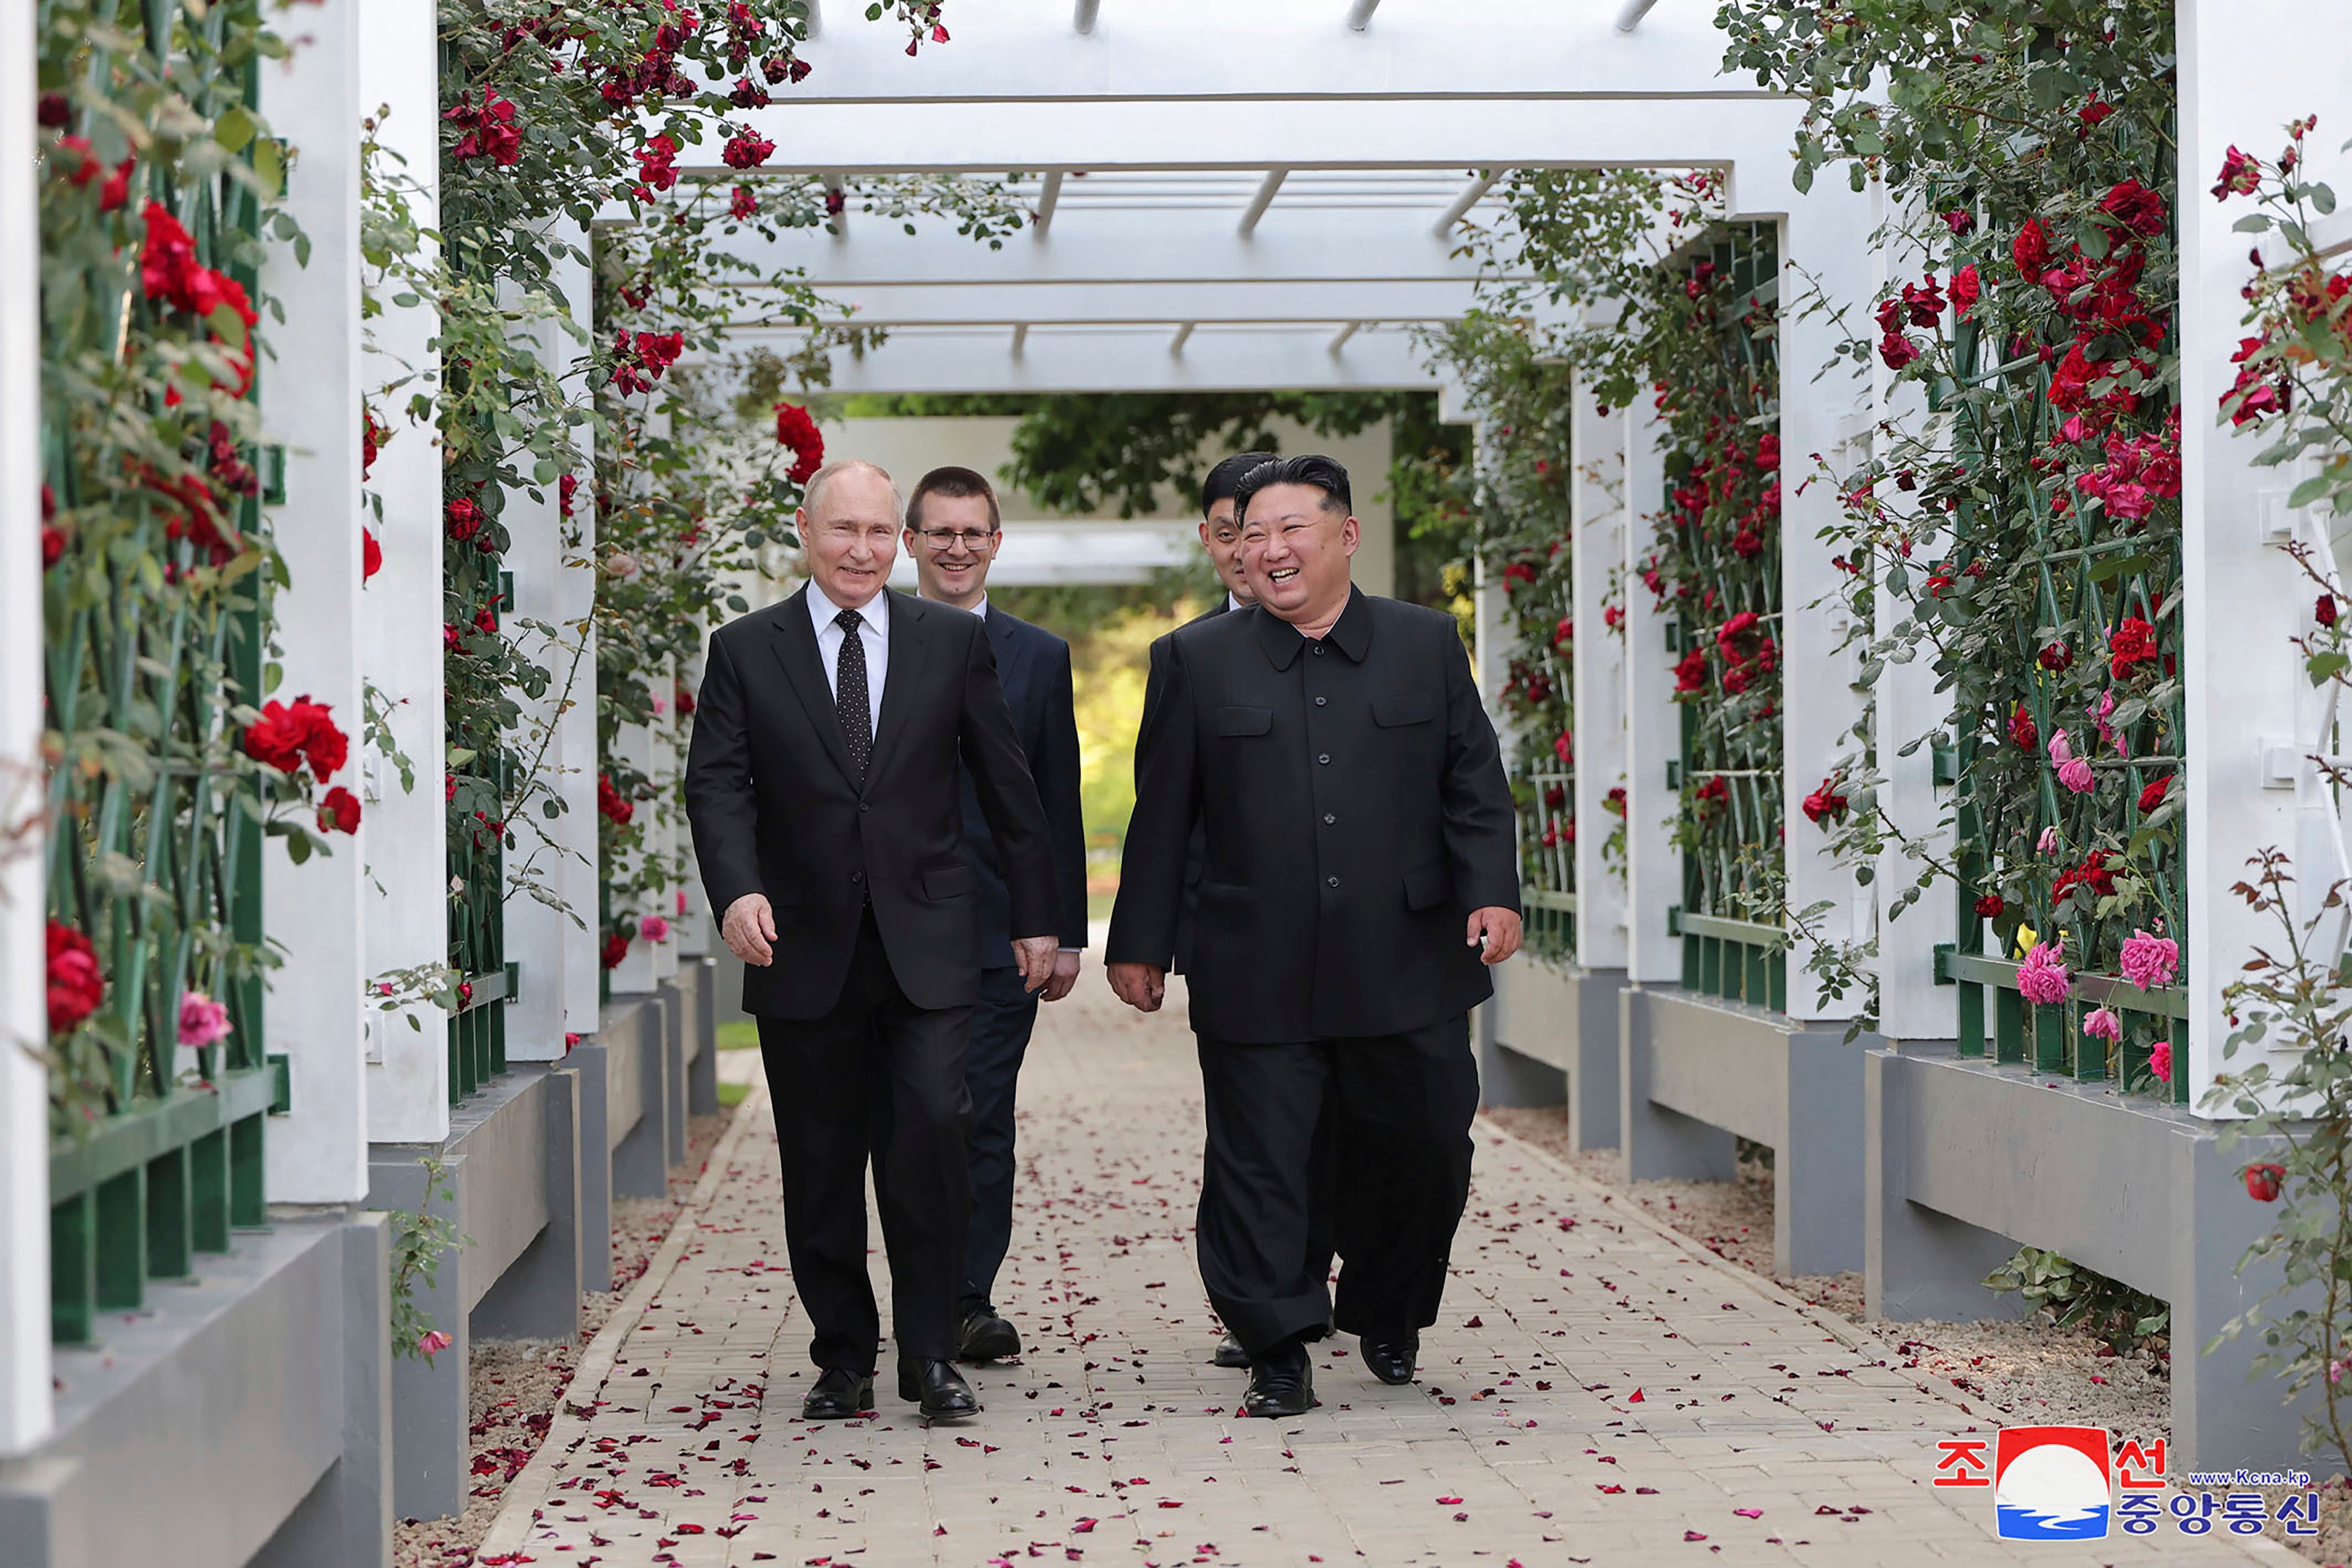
x,y
945,538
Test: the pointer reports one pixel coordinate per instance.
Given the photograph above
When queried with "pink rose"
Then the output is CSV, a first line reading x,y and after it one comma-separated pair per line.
x,y
2151,961
653,928
432,1342
2042,976
203,1020
2159,1060
2076,774
2105,1024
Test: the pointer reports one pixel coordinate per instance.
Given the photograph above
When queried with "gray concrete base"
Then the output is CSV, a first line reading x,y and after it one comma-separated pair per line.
x,y
1969,1159
639,1079
1696,1071
674,1047
590,1063
242,1414
698,981
1547,1021
512,1161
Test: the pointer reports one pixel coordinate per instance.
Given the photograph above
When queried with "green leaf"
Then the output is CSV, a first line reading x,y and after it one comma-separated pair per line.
x,y
2310,490
234,129
2253,223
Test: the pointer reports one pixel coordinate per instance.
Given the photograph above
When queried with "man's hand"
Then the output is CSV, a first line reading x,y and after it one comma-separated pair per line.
x,y
1034,954
749,927
1066,974
1142,986
1500,930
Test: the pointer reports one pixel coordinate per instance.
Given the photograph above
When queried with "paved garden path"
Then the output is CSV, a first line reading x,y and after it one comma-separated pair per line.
x,y
1598,1390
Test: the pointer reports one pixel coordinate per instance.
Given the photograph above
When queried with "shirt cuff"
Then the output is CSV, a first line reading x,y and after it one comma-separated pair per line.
x,y
1070,950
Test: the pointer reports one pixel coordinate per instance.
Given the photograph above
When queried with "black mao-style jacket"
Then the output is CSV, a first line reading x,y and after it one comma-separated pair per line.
x,y
1353,808
777,808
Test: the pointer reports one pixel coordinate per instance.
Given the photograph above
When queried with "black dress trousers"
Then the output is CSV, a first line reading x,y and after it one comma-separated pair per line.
x,y
828,1077
1402,1105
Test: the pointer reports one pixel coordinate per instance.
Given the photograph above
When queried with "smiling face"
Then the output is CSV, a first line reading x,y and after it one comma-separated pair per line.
x,y
1221,536
1295,545
953,548
850,536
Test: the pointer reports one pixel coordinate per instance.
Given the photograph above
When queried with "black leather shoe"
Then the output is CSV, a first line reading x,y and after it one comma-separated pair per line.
x,y
1392,1359
938,1387
1282,1383
985,1336
838,1395
1230,1353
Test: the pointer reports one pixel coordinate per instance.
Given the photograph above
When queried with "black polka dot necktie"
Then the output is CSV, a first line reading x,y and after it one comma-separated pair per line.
x,y
849,692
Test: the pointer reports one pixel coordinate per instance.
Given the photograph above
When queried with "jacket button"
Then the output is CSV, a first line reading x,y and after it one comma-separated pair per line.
x,y
857,876
1322,701
1331,882
1329,819
1325,759
1318,650
863,805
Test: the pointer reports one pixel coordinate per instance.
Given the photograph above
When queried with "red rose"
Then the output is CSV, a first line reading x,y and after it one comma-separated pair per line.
x,y
1959,220
462,519
612,803
2240,175
286,736
749,94
1565,632
2030,248
747,149
616,948
743,204
2054,656
1690,675
115,195
2133,642
371,555
2021,732
2153,796
1966,288
340,812
2091,114
2264,1181
1824,803
2324,612
2135,206
657,163
75,986
1897,350
1989,906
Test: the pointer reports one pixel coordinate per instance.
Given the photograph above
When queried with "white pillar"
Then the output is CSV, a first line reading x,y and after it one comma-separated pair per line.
x,y
635,972
1597,532
1654,866
310,403
2243,599
1825,245
662,836
555,585
25,1409
408,925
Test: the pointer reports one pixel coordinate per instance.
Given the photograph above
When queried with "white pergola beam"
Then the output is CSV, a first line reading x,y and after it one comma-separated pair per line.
x,y
1294,52
1360,15
1117,304
1137,359
1340,339
1183,335
1628,16
1267,191
1048,199
1112,135
1127,248
1472,194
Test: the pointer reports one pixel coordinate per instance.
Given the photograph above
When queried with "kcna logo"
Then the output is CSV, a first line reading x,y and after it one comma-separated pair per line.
x,y
2051,1483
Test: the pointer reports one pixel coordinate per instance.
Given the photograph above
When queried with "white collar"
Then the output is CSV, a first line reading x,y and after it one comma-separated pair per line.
x,y
980,609
823,612
1233,601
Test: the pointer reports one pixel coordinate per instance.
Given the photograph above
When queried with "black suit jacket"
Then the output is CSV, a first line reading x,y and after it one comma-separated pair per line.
x,y
1195,853
1032,665
1355,809
769,795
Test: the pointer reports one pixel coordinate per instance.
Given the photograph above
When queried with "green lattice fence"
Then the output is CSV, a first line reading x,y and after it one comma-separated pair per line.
x,y
156,628
1717,555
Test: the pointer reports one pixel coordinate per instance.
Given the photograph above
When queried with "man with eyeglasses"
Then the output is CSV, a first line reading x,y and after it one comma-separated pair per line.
x,y
954,530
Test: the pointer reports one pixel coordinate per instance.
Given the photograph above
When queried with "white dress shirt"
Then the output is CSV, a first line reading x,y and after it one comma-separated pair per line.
x,y
872,632
1232,600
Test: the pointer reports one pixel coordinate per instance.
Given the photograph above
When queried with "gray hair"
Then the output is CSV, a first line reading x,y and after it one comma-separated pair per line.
x,y
832,471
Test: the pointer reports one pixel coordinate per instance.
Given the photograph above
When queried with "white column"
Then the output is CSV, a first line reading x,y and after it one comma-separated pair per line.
x,y
1597,530
1654,866
2243,599
24,1410
310,403
1824,244
555,585
407,926
637,972
664,836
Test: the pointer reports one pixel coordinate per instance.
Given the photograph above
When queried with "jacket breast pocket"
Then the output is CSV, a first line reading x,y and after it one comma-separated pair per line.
x,y
1402,708
1244,721
941,882
1426,888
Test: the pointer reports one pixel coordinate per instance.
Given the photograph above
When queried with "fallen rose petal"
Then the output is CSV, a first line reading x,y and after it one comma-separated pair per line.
x,y
1749,1512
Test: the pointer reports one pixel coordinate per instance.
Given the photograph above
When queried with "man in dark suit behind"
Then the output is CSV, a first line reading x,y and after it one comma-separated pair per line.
x,y
954,530
1360,871
1220,537
821,787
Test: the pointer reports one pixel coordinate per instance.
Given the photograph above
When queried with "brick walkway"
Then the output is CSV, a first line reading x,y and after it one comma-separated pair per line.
x,y
1597,1390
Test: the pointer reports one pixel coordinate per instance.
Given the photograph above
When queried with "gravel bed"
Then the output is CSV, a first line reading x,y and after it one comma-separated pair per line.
x,y
516,1384
2020,1372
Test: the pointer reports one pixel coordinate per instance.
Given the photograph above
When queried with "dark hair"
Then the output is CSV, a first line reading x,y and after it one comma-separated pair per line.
x,y
1307,468
1225,478
956,484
